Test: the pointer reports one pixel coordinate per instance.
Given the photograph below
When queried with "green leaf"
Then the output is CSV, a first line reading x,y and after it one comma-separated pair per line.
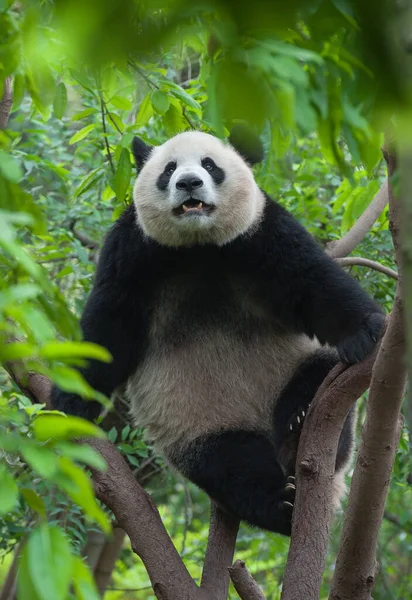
x,y
60,101
84,113
121,103
9,492
10,168
25,587
40,458
116,122
34,501
145,112
160,102
182,95
77,485
122,176
61,427
82,133
82,453
63,350
88,181
50,562
83,581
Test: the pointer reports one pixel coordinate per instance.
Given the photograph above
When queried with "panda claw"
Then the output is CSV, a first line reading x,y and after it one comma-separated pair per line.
x,y
289,504
291,479
290,427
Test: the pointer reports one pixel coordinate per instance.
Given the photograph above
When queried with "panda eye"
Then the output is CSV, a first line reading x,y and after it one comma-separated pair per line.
x,y
170,168
208,164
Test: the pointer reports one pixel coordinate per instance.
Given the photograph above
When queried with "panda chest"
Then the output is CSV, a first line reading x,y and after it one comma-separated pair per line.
x,y
215,358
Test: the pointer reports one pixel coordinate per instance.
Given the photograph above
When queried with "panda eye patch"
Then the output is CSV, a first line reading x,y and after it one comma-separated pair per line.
x,y
170,168
216,173
164,178
208,164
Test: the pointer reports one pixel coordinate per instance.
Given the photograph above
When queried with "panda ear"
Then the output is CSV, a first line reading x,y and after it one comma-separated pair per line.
x,y
141,152
247,143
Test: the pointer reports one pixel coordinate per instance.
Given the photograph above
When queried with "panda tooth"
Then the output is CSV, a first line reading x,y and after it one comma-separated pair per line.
x,y
199,206
185,209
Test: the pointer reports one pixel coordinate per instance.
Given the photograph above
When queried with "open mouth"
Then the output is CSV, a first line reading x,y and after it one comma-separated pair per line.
x,y
193,207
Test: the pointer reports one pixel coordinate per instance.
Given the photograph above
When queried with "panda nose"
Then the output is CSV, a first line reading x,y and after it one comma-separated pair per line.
x,y
189,183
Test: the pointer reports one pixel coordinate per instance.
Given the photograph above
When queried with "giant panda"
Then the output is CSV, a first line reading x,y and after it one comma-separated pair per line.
x,y
223,317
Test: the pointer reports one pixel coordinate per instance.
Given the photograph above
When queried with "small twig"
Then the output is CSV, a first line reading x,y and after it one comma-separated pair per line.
x,y
365,262
395,521
344,246
245,585
85,240
106,141
141,72
6,102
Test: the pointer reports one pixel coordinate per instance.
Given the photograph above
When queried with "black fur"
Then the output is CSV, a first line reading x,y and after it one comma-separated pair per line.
x,y
287,273
247,143
239,471
217,174
141,152
164,178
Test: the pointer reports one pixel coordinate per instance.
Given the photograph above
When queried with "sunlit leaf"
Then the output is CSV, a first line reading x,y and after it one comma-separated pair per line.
x,y
61,427
8,490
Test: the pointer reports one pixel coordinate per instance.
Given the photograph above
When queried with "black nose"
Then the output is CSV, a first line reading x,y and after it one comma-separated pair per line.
x,y
189,183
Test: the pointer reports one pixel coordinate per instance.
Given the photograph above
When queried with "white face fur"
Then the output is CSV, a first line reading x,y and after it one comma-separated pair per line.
x,y
194,189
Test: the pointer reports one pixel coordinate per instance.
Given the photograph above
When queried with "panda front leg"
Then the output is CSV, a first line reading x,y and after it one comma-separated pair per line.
x,y
239,471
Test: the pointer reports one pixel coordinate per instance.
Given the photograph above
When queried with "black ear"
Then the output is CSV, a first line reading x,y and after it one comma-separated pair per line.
x,y
247,143
141,152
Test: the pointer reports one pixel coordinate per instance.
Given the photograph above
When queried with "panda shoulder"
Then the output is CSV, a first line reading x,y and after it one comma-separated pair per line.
x,y
123,248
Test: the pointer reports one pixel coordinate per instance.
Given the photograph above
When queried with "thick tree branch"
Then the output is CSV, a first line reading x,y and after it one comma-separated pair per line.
x,y
355,572
6,102
315,473
365,262
344,246
244,584
138,516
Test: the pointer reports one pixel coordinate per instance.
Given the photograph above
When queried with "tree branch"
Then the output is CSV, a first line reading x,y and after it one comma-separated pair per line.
x,y
365,262
315,474
85,240
6,102
219,553
344,246
137,515
355,572
245,585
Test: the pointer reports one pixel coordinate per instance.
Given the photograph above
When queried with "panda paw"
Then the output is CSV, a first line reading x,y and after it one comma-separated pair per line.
x,y
295,423
355,347
288,496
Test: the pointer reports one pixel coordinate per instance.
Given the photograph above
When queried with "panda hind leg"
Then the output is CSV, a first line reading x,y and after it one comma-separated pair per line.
x,y
292,407
239,471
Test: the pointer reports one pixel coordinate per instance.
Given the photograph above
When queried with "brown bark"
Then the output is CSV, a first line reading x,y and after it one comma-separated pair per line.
x,y
94,548
344,246
314,476
244,584
355,572
107,560
365,262
138,516
6,102
219,553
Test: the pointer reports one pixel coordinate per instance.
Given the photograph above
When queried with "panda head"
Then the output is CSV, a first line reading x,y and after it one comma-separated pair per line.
x,y
195,189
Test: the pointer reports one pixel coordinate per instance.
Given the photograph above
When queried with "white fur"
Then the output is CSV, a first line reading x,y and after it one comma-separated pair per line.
x,y
238,201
